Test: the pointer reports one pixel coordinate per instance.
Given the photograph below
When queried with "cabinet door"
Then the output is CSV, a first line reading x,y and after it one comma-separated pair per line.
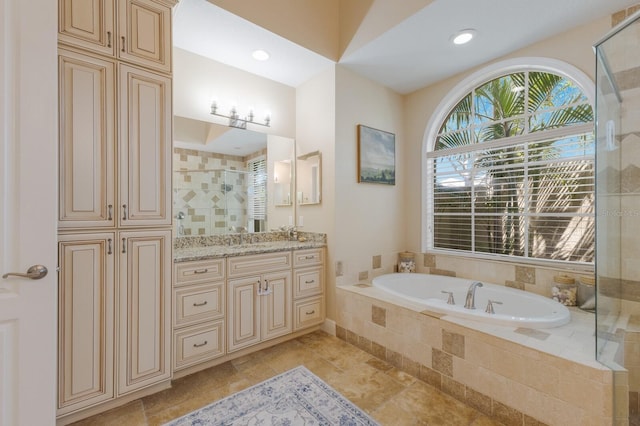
x,y
144,307
86,142
85,320
145,33
243,309
276,305
145,148
87,24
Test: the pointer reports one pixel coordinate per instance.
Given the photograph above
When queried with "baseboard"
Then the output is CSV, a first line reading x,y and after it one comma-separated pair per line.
x,y
328,326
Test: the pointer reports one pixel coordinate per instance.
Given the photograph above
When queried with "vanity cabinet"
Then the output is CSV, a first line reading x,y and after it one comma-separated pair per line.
x,y
198,312
135,31
258,304
308,288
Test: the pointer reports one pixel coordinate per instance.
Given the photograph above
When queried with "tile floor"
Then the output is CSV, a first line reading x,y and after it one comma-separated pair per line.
x,y
390,396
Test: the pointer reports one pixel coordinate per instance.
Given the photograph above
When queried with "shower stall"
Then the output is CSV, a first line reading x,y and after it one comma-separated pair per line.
x,y
618,214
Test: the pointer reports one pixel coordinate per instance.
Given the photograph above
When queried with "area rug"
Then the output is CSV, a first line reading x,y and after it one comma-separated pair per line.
x,y
296,397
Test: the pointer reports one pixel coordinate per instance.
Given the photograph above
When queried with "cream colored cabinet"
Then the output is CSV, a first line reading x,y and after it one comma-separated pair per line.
x,y
258,305
87,141
135,31
86,329
145,33
88,24
115,238
308,288
198,312
144,305
144,148
87,146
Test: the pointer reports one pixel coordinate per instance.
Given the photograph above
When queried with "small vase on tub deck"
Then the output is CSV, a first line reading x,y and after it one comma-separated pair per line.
x,y
406,262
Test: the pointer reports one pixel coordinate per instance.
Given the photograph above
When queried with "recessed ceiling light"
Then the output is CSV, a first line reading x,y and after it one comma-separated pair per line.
x,y
260,55
463,36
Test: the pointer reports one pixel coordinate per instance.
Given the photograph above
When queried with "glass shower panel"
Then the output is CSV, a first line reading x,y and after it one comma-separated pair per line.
x,y
618,214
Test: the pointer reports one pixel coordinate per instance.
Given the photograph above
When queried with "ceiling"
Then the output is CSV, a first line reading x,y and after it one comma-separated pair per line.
x,y
411,55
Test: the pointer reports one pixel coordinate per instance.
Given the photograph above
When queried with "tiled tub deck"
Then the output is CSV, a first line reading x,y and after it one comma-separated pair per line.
x,y
519,376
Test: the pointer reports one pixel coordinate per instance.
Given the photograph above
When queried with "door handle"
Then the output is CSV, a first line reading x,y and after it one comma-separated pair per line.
x,y
35,273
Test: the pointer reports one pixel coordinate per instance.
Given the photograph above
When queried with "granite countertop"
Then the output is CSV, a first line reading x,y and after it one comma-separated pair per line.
x,y
185,254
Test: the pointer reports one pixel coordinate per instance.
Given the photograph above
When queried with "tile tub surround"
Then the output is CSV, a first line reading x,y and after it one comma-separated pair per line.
x,y
518,376
201,248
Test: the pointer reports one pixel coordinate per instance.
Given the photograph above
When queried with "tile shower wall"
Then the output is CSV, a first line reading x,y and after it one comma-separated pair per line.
x,y
210,190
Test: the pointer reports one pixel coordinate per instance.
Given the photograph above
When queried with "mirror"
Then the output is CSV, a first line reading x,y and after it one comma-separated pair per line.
x,y
282,183
223,179
309,178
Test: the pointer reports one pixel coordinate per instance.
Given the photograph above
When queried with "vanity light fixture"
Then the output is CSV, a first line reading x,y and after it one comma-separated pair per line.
x,y
239,122
463,36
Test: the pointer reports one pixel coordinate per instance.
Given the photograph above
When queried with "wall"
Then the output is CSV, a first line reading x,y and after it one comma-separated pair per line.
x,y
369,228
197,81
315,131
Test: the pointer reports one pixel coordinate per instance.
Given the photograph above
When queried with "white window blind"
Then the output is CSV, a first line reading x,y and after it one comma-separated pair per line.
x,y
258,189
512,172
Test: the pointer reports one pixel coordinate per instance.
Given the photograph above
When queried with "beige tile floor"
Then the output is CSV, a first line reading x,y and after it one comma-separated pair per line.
x,y
390,396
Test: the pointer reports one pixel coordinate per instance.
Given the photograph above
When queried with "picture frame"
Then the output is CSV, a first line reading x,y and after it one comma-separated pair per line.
x,y
376,156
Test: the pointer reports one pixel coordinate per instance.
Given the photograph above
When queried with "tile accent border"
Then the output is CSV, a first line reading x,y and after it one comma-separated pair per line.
x,y
514,383
439,375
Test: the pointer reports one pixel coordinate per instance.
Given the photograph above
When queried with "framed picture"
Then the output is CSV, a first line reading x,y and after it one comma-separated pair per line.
x,y
376,156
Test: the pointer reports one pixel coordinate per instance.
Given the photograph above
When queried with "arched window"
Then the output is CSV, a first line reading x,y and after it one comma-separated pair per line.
x,y
510,169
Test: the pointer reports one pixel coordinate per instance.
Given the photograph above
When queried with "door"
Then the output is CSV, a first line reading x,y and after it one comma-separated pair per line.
x,y
28,207
86,330
145,148
243,312
87,141
144,309
276,305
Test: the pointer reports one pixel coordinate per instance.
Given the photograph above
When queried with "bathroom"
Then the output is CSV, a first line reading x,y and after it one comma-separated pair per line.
x,y
327,108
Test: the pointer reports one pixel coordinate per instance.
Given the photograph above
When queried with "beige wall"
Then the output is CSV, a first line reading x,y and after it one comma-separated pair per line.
x,y
315,131
369,217
198,80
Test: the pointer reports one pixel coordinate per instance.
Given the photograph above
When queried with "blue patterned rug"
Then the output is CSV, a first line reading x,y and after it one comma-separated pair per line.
x,y
296,397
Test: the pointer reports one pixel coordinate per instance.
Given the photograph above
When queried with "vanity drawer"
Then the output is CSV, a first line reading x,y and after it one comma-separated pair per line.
x,y
308,257
199,271
197,344
308,282
308,312
199,302
258,263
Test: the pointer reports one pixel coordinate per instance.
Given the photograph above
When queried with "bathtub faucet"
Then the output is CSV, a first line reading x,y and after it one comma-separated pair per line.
x,y
470,301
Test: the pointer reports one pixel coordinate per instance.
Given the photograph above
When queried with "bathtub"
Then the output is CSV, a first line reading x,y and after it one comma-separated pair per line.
x,y
518,309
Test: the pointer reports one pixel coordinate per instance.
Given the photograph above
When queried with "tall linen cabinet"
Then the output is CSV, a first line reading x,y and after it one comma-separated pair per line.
x,y
114,221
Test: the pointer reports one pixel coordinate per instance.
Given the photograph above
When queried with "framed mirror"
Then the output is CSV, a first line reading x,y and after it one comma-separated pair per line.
x,y
309,179
223,179
283,183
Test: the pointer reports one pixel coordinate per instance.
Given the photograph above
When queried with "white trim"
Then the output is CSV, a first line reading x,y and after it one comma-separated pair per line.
x,y
509,66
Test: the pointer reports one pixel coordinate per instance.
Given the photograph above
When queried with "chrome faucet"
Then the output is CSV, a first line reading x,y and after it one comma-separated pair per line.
x,y
470,301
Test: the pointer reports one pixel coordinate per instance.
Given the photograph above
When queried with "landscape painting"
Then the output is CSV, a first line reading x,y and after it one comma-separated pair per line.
x,y
376,156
